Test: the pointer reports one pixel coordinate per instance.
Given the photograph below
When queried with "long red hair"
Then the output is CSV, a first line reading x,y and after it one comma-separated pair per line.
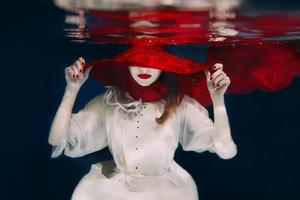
x,y
172,100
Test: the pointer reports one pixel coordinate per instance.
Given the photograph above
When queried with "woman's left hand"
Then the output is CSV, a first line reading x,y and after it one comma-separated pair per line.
x,y
218,82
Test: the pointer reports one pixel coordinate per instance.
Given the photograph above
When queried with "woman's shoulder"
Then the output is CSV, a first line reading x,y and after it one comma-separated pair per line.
x,y
104,96
189,104
96,102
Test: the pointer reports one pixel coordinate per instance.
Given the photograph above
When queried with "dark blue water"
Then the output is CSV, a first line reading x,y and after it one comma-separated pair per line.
x,y
33,55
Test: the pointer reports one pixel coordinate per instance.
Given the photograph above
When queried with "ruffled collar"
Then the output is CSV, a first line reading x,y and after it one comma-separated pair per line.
x,y
113,97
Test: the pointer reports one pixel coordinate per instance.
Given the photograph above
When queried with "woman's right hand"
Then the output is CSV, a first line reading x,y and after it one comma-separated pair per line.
x,y
74,74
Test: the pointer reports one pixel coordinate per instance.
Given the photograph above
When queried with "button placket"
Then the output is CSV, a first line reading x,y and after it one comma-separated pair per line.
x,y
139,120
143,107
138,125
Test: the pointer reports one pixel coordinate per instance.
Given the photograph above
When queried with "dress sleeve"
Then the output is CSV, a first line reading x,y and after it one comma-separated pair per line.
x,y
198,130
87,131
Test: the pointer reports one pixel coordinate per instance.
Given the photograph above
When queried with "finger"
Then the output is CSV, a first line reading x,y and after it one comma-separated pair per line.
x,y
81,60
70,73
78,64
79,67
218,79
208,79
75,71
216,74
218,66
67,70
223,82
207,74
87,72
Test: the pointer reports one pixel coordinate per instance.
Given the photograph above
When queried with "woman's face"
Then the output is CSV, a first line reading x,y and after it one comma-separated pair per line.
x,y
144,76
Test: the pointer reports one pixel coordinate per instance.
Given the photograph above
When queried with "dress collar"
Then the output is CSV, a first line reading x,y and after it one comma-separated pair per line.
x,y
113,97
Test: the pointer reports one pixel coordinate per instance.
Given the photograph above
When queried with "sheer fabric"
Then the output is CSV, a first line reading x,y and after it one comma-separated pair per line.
x,y
143,151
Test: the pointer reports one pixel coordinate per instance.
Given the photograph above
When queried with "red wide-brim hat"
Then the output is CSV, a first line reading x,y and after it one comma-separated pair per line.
x,y
112,70
267,67
151,56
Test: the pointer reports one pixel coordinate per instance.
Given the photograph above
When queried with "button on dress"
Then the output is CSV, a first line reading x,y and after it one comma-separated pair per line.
x,y
143,166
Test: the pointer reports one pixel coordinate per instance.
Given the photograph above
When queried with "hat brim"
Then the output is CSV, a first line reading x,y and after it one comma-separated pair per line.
x,y
151,56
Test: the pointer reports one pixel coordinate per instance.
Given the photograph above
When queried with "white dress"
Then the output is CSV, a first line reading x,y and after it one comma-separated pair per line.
x,y
143,167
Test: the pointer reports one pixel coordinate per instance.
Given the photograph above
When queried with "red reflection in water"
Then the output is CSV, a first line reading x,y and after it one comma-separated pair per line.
x,y
153,27
186,27
250,56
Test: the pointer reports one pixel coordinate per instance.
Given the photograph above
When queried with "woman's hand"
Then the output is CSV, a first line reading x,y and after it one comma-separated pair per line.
x,y
218,82
75,76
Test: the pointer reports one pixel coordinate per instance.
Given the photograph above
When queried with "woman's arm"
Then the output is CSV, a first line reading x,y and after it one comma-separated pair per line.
x,y
217,85
75,79
61,121
223,140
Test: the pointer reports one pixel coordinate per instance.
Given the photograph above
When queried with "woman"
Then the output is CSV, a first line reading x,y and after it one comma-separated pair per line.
x,y
142,121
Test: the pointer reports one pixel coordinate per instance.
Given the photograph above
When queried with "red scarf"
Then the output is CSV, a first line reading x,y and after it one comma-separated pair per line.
x,y
154,92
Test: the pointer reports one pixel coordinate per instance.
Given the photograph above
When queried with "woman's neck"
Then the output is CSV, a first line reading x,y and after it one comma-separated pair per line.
x,y
127,96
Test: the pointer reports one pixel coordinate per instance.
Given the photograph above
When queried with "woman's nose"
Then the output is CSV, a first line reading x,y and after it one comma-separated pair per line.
x,y
144,70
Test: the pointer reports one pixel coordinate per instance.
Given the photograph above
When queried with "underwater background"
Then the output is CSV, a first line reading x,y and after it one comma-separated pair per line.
x,y
33,54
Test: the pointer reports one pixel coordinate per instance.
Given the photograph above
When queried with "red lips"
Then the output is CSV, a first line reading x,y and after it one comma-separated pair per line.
x,y
144,76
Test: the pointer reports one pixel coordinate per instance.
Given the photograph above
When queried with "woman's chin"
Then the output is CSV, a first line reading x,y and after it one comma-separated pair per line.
x,y
145,84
